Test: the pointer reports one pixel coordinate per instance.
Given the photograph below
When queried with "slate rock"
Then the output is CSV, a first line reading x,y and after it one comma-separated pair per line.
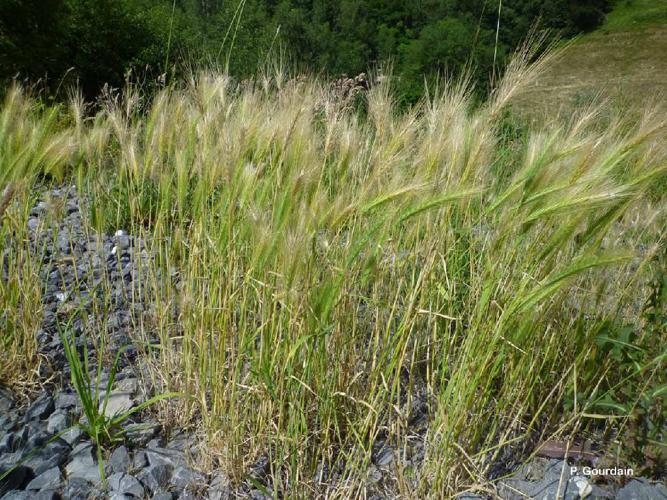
x,y
78,489
16,479
140,435
66,401
160,456
183,442
546,480
7,443
6,401
126,484
155,443
188,494
72,436
258,495
7,422
164,495
220,487
51,479
156,477
57,423
63,243
120,460
41,408
184,477
385,457
54,454
118,402
114,495
641,489
31,495
83,465
260,468
139,461
37,438
39,209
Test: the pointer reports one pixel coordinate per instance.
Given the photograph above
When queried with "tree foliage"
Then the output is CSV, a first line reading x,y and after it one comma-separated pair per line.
x,y
97,41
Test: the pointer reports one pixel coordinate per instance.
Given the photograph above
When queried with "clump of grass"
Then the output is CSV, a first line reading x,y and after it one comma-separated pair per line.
x,y
329,265
320,273
31,145
103,429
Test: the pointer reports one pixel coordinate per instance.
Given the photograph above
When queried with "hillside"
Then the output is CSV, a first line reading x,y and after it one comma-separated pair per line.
x,y
625,60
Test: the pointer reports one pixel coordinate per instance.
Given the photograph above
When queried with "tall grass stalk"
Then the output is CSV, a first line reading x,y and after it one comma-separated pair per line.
x,y
323,278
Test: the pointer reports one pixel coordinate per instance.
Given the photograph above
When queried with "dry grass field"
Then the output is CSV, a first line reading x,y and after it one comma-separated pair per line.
x,y
625,61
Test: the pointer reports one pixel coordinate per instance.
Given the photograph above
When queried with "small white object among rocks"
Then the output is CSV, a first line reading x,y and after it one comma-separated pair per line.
x,y
583,486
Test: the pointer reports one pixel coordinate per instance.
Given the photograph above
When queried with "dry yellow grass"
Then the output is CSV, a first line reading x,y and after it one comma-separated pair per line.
x,y
628,67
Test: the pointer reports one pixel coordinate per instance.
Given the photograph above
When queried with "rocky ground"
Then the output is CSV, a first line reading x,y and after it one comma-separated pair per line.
x,y
48,457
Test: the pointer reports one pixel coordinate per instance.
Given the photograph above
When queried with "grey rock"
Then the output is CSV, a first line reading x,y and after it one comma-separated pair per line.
x,y
9,460
39,209
83,465
57,423
78,489
163,496
7,422
6,443
543,479
154,444
156,477
53,454
641,489
160,456
63,243
374,474
141,434
122,241
31,495
258,495
16,479
15,495
33,223
41,408
183,442
66,401
47,495
126,484
118,402
188,494
114,495
544,490
139,461
51,479
37,437
72,207
600,492
120,460
260,468
385,458
72,436
114,481
220,494
6,401
184,478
